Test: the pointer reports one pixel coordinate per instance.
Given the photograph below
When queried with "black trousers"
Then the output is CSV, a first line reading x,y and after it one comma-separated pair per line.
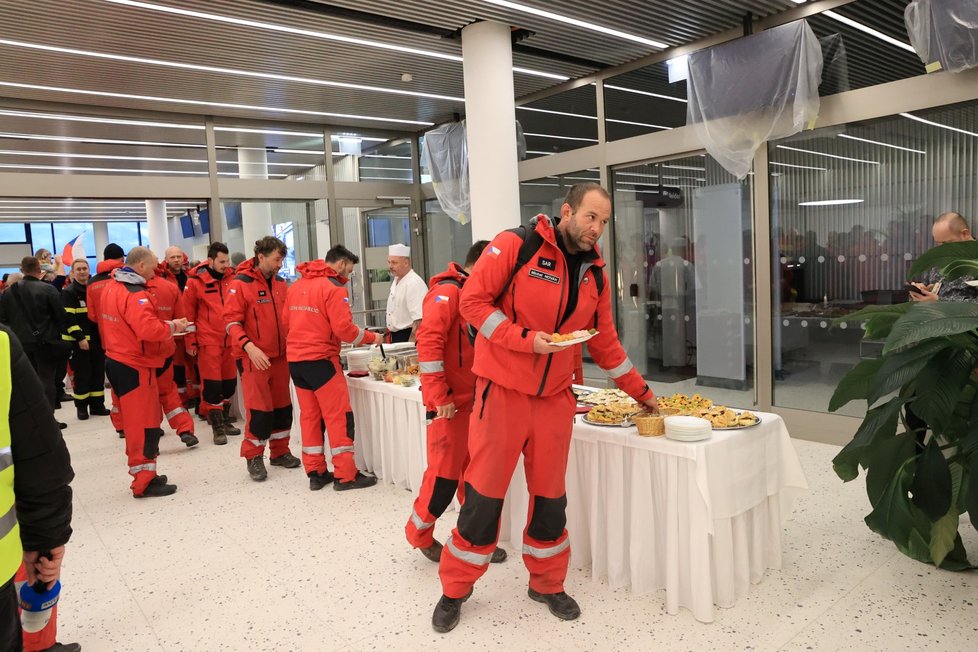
x,y
89,379
401,336
46,368
11,637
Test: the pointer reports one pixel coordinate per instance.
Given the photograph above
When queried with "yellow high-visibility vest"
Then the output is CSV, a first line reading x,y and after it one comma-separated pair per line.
x,y
11,552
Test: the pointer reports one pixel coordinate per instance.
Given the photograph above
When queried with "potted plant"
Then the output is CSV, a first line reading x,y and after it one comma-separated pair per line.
x,y
919,481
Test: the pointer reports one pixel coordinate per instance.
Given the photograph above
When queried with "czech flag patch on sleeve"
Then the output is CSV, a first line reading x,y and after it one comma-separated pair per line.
x,y
441,298
493,251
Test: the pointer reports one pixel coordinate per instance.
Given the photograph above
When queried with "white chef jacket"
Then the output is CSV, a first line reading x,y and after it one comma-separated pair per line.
x,y
405,300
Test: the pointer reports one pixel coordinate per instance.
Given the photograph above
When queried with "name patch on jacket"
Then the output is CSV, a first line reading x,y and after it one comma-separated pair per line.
x,y
262,293
547,263
536,273
263,301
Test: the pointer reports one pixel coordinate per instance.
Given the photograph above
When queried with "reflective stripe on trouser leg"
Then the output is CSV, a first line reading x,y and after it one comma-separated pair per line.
x,y
216,367
447,448
174,412
258,410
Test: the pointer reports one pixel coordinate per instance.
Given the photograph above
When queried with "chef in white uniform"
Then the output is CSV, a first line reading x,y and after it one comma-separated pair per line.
x,y
407,294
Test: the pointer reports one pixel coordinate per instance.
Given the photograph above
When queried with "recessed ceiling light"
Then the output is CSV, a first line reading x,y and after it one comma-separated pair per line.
x,y
876,142
224,105
532,151
911,116
228,71
801,167
648,93
636,124
314,34
683,167
831,202
843,158
565,113
869,30
578,23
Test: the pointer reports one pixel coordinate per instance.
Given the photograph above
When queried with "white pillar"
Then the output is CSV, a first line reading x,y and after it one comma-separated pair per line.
x,y
101,232
490,121
159,235
256,217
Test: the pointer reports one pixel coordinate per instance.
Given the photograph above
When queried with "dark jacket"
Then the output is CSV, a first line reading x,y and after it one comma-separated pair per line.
x,y
42,466
43,303
77,325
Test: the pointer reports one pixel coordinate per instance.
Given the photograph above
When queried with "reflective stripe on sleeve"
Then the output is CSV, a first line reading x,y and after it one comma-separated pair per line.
x,y
432,367
6,457
419,523
359,338
620,370
491,323
8,521
546,553
227,329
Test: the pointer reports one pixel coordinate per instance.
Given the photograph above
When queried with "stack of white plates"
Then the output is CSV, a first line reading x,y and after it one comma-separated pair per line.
x,y
688,428
357,360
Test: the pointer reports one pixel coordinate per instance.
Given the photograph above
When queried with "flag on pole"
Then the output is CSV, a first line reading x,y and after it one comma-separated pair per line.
x,y
73,249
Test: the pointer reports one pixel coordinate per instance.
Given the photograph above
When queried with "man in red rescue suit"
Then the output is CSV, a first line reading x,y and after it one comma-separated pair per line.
x,y
253,314
137,343
523,402
184,374
204,305
166,297
112,259
317,317
447,386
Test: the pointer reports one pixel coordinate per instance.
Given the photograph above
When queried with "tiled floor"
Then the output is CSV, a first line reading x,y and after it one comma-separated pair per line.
x,y
228,564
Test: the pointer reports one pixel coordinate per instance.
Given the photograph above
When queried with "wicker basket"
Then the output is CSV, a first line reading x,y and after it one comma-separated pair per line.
x,y
650,425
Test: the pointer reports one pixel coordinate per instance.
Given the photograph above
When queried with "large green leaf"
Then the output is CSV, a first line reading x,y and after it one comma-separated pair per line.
x,y
943,255
971,493
900,368
929,320
939,387
880,326
872,312
879,424
894,517
884,461
959,268
957,559
931,487
942,536
855,384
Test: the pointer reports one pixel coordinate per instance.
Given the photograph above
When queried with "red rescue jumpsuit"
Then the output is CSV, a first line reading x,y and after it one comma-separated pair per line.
x,y
445,356
93,295
204,304
523,403
317,319
136,345
253,313
169,305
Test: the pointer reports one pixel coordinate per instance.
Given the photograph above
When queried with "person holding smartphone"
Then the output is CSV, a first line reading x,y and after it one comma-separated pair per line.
x,y
948,227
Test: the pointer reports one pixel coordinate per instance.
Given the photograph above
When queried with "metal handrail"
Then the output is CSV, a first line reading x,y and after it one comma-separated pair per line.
x,y
364,312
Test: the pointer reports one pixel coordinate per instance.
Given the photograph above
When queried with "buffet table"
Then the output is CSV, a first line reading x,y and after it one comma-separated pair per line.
x,y
701,520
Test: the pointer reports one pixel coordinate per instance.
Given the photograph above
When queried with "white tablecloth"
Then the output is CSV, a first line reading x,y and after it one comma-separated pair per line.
x,y
701,520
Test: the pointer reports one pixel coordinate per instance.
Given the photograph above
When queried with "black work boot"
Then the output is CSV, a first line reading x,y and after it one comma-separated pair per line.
x,y
256,468
228,428
98,409
498,556
287,460
433,552
158,487
319,480
64,647
82,411
561,605
216,419
122,435
361,481
189,439
447,613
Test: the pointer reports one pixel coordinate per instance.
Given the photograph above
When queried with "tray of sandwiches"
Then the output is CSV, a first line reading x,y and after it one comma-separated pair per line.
x,y
616,415
720,416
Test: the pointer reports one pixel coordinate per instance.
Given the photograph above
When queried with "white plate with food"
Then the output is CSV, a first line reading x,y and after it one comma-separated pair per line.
x,y
614,415
606,396
577,337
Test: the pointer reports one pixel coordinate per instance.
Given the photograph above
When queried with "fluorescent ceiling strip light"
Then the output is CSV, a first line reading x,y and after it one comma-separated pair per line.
x,y
97,141
876,142
647,93
800,167
531,151
938,124
684,167
10,152
637,124
114,170
227,71
223,105
314,34
843,158
564,113
869,30
364,167
69,201
384,178
587,140
273,132
549,185
831,202
558,176
578,23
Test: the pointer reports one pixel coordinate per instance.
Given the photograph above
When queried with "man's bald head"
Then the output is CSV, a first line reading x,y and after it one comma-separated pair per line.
x,y
174,258
142,261
951,227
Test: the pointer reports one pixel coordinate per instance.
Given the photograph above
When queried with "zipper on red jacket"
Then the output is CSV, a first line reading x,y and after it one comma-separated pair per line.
x,y
278,329
560,309
459,347
254,311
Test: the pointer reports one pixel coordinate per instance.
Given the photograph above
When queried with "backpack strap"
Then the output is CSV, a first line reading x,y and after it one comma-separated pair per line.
x,y
532,241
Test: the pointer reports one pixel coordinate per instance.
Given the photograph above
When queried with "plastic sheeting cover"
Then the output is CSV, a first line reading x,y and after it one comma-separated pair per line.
x,y
752,90
446,155
944,33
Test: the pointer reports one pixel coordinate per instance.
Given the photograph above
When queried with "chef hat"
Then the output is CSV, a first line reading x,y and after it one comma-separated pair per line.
x,y
399,250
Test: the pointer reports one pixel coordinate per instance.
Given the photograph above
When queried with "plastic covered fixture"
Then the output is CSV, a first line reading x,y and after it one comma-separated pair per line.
x,y
754,89
944,33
